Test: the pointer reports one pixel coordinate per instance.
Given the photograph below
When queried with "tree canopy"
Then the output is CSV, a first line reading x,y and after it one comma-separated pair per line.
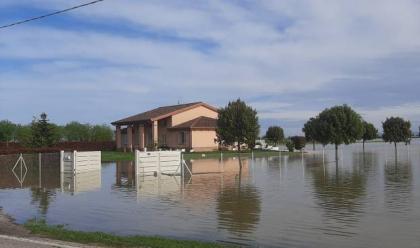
x,y
369,132
44,133
299,142
274,135
75,131
396,130
237,124
7,131
340,125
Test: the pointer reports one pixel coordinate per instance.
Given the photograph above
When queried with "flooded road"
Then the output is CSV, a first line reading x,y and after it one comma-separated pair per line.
x,y
365,199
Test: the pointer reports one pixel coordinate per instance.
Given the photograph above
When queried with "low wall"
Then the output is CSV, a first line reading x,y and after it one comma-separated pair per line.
x,y
15,148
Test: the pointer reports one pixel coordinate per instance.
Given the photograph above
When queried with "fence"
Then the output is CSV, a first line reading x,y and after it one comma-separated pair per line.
x,y
78,162
16,148
161,162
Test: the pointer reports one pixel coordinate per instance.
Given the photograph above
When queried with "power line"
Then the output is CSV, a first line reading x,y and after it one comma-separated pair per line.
x,y
50,14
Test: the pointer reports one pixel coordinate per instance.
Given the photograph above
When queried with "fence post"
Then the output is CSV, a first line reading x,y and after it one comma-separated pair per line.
x,y
136,161
158,162
74,162
61,161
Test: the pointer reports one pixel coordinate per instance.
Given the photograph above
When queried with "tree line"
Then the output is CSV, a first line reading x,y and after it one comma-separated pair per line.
x,y
238,124
42,133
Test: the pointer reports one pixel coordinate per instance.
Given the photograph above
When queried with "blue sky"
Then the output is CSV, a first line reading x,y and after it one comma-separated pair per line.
x,y
289,59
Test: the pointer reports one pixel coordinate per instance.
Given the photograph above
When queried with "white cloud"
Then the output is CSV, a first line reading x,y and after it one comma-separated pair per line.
x,y
271,47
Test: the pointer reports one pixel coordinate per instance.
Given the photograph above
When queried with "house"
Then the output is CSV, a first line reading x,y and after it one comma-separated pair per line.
x,y
184,126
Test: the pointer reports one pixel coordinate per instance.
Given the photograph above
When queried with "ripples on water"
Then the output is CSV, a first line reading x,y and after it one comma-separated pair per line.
x,y
365,199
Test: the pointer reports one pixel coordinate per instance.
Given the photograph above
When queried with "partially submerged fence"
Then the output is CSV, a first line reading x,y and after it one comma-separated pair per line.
x,y
156,163
78,162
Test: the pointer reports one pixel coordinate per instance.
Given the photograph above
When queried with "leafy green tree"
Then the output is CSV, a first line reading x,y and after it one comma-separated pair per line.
x,y
24,135
339,125
396,130
101,133
274,135
310,131
290,145
299,142
369,132
44,133
237,124
7,131
75,131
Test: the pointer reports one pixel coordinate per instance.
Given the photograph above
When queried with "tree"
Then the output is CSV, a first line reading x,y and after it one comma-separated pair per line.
x,y
369,132
75,131
237,124
396,130
274,135
339,125
299,142
290,145
101,133
7,131
310,131
24,135
44,133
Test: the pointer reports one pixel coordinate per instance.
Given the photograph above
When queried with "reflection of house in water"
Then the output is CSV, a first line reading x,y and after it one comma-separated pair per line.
x,y
81,182
209,176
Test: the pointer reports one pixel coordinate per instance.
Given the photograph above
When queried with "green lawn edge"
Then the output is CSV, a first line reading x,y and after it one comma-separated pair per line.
x,y
112,156
39,227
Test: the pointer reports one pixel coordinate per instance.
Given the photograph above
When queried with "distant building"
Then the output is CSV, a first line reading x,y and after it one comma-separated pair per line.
x,y
183,126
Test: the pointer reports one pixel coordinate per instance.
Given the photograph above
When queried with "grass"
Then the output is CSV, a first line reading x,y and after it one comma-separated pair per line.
x,y
116,156
99,238
127,156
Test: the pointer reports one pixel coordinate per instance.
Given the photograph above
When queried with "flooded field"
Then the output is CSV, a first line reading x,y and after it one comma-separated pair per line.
x,y
366,199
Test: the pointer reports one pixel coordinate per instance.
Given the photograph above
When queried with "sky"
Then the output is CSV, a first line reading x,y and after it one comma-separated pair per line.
x,y
288,59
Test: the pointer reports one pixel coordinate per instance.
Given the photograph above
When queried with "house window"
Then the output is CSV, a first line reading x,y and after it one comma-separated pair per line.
x,y
182,138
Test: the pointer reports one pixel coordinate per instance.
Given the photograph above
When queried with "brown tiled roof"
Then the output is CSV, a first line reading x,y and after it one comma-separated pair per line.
x,y
201,122
160,113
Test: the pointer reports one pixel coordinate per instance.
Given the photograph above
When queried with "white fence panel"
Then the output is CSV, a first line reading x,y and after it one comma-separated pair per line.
x,y
161,162
79,162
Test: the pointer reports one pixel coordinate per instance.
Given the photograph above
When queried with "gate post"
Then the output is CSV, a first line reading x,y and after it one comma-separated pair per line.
x,y
74,162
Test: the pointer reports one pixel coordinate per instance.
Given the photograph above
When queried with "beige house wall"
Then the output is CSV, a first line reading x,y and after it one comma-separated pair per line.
x,y
192,114
204,140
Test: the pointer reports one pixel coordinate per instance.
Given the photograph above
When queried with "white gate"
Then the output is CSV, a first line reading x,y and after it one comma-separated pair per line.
x,y
78,162
161,162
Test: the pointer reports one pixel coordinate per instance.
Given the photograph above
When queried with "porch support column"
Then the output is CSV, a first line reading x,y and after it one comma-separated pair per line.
x,y
118,136
155,132
130,138
141,136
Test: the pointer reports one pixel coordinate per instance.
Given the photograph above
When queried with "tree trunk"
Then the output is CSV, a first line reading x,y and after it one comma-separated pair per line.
x,y
363,146
336,152
395,148
313,145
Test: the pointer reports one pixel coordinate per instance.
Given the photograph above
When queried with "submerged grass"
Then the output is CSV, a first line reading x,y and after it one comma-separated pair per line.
x,y
99,238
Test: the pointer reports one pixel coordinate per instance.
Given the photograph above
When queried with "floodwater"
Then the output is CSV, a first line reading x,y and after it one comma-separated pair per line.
x,y
366,199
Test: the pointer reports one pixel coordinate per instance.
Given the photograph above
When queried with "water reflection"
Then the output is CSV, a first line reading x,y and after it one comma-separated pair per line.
x,y
287,201
341,194
239,204
398,186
